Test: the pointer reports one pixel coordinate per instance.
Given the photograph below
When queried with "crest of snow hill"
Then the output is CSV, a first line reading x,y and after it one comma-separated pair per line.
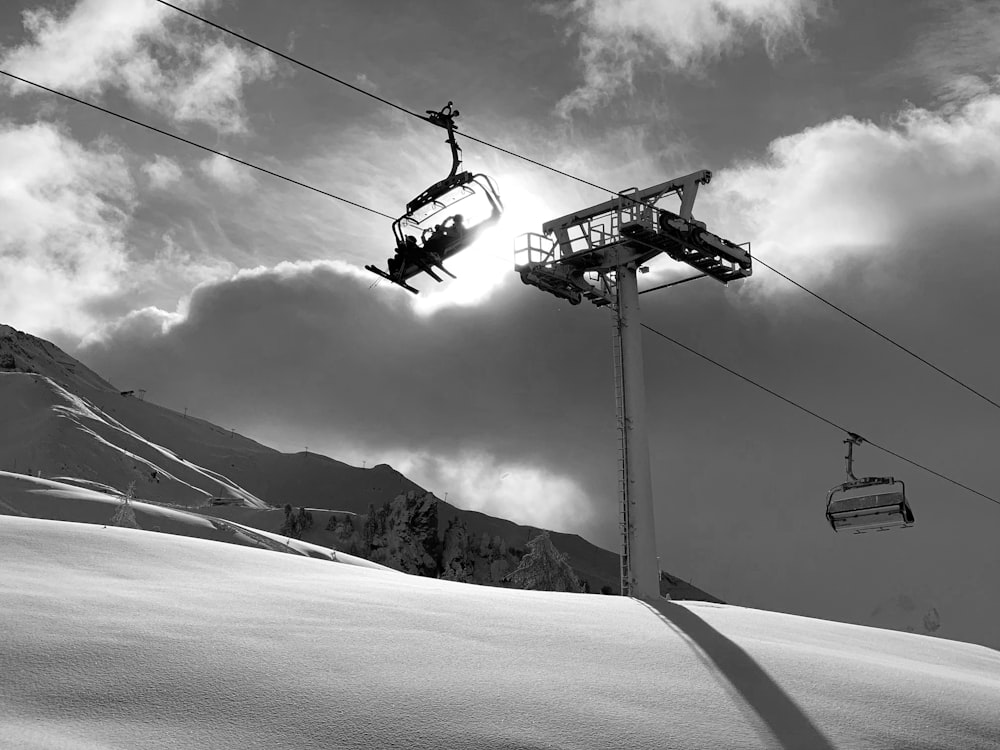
x,y
61,421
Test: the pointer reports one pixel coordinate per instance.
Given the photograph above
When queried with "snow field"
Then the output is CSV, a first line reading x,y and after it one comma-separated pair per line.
x,y
117,638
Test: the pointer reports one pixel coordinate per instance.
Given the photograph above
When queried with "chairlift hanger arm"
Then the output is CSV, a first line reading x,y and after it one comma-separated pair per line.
x,y
850,441
445,118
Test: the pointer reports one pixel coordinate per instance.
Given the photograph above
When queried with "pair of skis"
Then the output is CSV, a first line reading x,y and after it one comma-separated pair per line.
x,y
399,278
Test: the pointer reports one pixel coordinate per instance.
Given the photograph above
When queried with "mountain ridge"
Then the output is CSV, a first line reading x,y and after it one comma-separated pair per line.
x,y
77,426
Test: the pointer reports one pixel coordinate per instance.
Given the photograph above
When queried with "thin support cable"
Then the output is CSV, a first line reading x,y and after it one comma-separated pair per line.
x,y
820,417
197,145
673,283
878,333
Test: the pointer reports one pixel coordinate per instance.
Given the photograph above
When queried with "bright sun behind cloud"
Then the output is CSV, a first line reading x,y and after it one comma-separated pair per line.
x,y
483,267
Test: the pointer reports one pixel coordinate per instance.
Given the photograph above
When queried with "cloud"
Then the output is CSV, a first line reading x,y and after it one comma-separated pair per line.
x,y
177,266
853,190
957,52
65,211
212,87
365,82
373,381
145,50
227,173
519,491
81,243
618,38
162,172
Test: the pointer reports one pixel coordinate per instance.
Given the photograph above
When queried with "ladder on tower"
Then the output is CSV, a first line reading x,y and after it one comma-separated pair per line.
x,y
621,419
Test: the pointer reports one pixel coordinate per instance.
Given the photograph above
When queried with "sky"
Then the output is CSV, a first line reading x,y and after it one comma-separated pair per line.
x,y
852,143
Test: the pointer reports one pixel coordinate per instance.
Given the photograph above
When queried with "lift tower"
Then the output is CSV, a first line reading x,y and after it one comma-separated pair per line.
x,y
594,254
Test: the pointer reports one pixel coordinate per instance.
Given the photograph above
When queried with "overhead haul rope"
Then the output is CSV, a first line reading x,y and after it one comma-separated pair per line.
x,y
369,94
188,141
878,333
380,213
820,417
568,175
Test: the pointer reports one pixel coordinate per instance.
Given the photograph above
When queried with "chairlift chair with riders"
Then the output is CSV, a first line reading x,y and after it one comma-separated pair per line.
x,y
880,510
444,219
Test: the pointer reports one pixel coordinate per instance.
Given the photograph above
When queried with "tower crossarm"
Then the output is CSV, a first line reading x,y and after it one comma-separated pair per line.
x,y
687,186
627,230
688,241
587,234
535,261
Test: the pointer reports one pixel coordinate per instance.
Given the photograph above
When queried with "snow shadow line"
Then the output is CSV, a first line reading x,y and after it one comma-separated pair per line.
x,y
786,720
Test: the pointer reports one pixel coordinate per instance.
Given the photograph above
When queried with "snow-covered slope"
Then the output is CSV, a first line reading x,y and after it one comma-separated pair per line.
x,y
22,352
117,638
33,497
210,454
50,429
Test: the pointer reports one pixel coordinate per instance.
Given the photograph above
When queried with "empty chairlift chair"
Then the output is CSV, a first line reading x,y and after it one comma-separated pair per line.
x,y
869,503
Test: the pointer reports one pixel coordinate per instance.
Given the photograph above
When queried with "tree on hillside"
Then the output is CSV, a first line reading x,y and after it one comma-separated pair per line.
x,y
296,522
345,538
124,515
544,568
